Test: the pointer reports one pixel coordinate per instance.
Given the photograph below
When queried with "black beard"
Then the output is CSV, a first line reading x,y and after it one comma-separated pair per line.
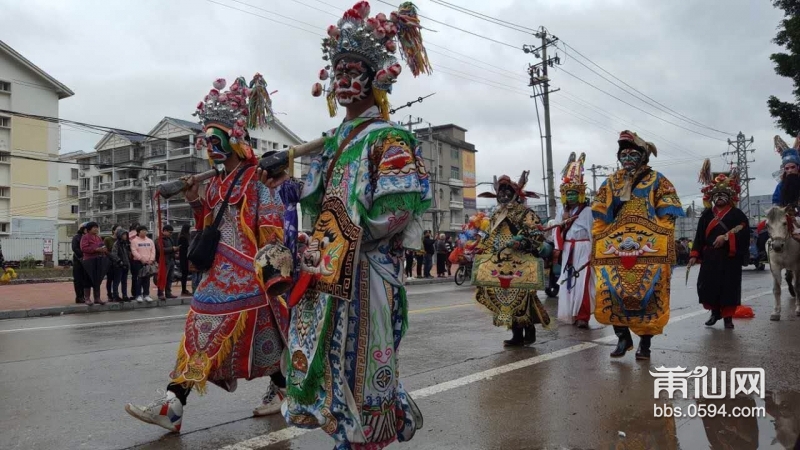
x,y
790,189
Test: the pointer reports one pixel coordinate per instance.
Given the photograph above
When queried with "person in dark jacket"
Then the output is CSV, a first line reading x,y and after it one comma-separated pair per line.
x,y
109,243
120,265
95,263
441,256
450,248
427,244
167,249
183,253
78,274
409,254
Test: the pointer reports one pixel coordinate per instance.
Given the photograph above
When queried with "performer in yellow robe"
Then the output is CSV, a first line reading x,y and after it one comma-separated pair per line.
x,y
634,246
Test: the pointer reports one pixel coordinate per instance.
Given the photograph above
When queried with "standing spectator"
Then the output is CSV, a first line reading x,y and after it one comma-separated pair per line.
x,y
409,263
450,248
183,254
78,274
120,264
144,256
132,234
109,243
427,244
419,257
95,263
441,256
168,250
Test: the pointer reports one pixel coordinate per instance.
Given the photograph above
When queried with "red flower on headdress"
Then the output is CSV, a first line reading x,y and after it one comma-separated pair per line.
x,y
352,14
333,32
362,8
316,89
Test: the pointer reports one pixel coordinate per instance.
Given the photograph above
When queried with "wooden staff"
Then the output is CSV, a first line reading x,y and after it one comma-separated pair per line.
x,y
274,164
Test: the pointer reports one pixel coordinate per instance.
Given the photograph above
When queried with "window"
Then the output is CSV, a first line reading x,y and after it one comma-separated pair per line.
x,y
5,122
455,192
275,146
466,218
74,209
254,143
84,184
84,164
5,86
4,228
5,192
454,153
441,171
73,174
455,172
441,194
72,191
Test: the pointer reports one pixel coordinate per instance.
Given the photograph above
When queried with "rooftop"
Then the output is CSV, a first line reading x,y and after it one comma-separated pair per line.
x,y
60,88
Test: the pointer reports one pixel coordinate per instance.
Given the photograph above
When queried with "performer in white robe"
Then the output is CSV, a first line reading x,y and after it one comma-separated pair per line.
x,y
573,241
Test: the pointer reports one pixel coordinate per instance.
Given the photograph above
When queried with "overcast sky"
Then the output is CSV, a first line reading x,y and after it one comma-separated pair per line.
x,y
132,62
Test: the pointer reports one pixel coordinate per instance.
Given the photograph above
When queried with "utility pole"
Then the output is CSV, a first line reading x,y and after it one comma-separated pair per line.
x,y
594,169
538,76
741,149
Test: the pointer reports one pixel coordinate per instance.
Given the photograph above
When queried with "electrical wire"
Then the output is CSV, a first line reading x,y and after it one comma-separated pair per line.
x,y
265,17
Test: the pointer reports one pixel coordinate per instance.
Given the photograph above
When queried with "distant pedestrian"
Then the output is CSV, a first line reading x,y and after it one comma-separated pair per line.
x,y
419,259
94,262
121,264
441,256
144,257
428,244
409,254
450,248
132,234
109,243
183,254
168,250
78,274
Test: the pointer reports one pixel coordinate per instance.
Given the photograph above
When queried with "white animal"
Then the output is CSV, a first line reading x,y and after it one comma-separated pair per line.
x,y
784,254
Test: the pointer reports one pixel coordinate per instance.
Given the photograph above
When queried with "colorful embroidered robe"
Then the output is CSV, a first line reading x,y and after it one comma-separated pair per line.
x,y
634,250
509,305
233,330
343,368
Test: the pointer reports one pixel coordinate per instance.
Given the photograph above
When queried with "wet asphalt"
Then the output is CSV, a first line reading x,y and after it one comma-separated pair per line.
x,y
65,381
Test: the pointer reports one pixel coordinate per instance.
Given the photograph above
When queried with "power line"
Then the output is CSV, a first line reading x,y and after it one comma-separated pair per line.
x,y
101,165
265,17
490,19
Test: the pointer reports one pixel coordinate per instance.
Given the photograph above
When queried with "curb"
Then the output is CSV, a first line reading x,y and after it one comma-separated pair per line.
x,y
82,309
128,306
40,280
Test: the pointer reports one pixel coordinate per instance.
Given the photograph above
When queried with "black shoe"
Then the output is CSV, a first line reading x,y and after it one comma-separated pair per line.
x,y
516,339
728,323
582,324
125,298
715,316
80,300
625,343
171,296
186,294
643,352
530,335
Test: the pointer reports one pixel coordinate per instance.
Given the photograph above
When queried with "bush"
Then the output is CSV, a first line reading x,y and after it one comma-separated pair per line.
x,y
28,262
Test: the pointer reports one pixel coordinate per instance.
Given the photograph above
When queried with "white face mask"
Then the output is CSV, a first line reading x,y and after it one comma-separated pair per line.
x,y
350,82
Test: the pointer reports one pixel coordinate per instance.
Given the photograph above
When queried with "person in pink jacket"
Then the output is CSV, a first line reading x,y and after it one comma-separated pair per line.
x,y
143,250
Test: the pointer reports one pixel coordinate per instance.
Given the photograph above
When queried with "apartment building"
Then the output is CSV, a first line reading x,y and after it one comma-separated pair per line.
x,y
450,161
118,180
68,196
29,193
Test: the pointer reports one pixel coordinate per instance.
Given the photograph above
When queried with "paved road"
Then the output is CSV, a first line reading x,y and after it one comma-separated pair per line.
x,y
66,379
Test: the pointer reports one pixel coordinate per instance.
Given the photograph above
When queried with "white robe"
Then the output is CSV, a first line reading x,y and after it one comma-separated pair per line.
x,y
570,298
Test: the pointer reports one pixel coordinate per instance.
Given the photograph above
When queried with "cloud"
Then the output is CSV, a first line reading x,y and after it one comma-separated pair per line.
x,y
131,63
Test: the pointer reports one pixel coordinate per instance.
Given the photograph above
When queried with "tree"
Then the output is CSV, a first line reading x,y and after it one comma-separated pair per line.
x,y
787,114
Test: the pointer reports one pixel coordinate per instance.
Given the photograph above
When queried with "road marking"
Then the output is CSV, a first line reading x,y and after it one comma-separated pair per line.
x,y
155,319
95,324
286,434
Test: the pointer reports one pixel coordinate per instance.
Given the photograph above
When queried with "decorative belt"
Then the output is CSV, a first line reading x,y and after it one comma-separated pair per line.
x,y
577,240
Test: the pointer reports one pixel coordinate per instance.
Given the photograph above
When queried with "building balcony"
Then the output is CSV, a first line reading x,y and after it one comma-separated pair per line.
x,y
181,152
127,184
127,207
158,179
103,187
5,158
455,182
105,164
456,204
455,227
84,193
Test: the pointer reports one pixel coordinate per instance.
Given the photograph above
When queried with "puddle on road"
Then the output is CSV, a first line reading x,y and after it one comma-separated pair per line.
x,y
777,427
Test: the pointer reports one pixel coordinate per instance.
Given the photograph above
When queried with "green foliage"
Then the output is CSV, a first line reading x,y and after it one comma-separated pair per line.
x,y
787,114
28,262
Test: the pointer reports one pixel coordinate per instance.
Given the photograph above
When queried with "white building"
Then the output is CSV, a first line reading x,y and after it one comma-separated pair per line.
x,y
29,193
68,194
118,180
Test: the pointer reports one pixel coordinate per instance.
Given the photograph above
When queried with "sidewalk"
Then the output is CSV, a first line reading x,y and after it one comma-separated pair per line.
x,y
55,298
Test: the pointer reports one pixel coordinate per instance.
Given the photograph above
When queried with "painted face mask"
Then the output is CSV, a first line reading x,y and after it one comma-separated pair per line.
x,y
721,199
630,159
572,197
219,148
505,194
351,81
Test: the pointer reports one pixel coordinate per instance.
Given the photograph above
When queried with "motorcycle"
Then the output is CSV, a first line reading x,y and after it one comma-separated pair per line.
x,y
464,271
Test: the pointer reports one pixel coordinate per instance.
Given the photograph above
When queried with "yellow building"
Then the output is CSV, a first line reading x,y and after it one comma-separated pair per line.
x,y
29,189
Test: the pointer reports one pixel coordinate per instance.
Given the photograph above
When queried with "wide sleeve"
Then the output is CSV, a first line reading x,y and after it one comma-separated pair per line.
x,y
397,191
666,202
313,183
699,237
776,195
531,231
739,245
271,210
602,209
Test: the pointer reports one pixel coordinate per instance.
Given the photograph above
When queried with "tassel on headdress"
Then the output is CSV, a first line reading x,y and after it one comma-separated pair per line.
x,y
413,50
260,103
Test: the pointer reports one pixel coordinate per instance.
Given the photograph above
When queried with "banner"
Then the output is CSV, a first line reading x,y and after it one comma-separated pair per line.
x,y
470,193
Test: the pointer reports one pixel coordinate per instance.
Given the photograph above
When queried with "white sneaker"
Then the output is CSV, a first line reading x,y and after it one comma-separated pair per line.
x,y
166,412
139,299
271,403
148,299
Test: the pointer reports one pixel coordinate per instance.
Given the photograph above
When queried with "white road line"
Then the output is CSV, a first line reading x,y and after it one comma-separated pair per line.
x,y
95,324
286,434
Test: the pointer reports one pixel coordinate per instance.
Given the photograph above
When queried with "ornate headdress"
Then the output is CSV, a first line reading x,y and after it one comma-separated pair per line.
x,y
573,178
716,182
233,111
518,187
629,139
788,154
373,40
